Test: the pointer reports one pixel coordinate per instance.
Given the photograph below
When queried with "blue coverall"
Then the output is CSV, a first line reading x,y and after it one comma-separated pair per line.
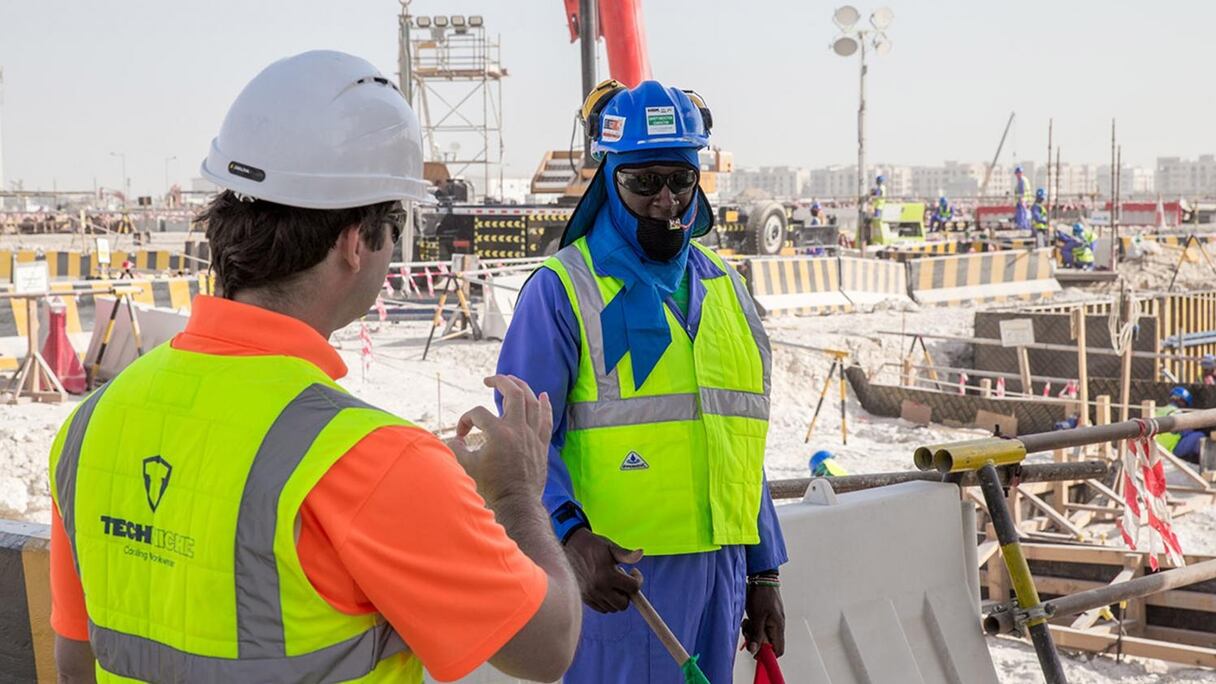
x,y
701,596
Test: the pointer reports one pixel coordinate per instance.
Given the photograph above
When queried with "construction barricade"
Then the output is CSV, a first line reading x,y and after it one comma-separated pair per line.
x,y
798,285
79,300
77,265
869,282
904,605
987,277
27,644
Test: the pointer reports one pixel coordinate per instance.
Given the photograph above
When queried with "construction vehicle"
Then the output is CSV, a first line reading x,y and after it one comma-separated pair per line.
x,y
901,222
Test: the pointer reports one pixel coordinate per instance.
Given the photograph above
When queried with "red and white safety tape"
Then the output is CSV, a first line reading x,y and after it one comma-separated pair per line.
x,y
1144,499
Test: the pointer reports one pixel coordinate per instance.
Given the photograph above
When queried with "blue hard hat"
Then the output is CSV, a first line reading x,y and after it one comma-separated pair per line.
x,y
814,205
1078,229
1208,361
1040,193
1017,169
1183,394
942,200
819,457
651,116
881,178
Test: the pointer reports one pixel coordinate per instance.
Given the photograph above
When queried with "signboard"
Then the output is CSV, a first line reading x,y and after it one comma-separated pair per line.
x,y
1099,218
31,277
1017,332
103,251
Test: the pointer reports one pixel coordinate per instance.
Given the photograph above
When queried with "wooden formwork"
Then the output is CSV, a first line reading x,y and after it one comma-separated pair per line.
x,y
1177,314
1178,625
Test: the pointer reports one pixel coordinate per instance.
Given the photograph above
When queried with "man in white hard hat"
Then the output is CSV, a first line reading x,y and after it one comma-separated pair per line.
x,y
225,512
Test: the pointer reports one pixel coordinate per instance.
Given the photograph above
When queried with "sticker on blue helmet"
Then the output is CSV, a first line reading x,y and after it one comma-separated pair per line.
x,y
660,120
614,128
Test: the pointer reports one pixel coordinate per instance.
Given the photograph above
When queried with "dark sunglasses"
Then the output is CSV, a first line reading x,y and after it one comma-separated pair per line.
x,y
650,183
396,222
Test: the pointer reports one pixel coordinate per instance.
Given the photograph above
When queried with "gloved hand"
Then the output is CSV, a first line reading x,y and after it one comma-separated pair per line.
x,y
594,560
765,622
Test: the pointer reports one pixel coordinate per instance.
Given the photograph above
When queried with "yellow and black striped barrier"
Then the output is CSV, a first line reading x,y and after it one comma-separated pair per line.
x,y
76,265
1130,245
27,643
868,282
797,285
986,277
79,300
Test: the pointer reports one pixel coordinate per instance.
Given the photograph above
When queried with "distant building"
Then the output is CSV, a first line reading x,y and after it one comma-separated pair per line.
x,y
1134,181
777,181
841,181
1176,176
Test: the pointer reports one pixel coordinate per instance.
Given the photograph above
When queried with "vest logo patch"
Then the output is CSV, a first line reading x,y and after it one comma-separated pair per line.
x,y
634,461
156,479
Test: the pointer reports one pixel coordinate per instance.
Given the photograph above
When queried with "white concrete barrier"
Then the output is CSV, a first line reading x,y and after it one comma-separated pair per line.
x,y
877,590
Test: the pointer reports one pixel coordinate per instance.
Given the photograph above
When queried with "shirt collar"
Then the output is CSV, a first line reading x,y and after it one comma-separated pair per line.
x,y
225,326
702,266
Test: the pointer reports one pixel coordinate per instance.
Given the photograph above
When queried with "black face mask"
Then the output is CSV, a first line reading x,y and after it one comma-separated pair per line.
x,y
658,239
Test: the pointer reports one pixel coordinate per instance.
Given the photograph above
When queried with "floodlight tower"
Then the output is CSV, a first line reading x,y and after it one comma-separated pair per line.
x,y
446,65
852,39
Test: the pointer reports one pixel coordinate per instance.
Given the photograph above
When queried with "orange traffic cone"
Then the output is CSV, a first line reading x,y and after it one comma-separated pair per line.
x,y
59,353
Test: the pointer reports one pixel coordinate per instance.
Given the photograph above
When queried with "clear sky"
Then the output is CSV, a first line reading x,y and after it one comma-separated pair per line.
x,y
153,78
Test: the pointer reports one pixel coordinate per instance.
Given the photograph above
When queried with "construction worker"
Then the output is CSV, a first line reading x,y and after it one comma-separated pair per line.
x,y
941,214
658,368
225,512
878,200
1082,247
823,464
1039,220
1021,218
817,218
1208,364
1185,444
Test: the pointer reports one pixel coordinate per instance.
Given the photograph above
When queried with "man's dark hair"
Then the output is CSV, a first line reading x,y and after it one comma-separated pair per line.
x,y
266,245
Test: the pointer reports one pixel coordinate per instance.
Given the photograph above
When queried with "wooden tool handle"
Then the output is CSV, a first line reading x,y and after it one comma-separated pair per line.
x,y
660,628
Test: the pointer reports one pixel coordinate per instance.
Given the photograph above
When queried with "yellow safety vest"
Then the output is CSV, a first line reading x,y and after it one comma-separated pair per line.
x,y
677,465
179,484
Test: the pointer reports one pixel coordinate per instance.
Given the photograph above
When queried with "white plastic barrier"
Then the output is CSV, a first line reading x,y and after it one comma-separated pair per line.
x,y
156,326
498,303
878,590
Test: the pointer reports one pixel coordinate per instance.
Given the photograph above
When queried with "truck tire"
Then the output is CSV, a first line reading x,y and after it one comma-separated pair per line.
x,y
766,228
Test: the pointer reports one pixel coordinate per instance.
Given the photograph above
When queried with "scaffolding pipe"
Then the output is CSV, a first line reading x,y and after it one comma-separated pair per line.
x,y
1136,588
1003,621
1129,429
1019,572
795,488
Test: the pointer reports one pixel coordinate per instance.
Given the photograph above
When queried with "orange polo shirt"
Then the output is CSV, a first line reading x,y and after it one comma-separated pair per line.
x,y
396,526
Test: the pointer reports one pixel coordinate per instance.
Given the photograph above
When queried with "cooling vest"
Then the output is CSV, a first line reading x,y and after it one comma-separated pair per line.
x,y
677,465
179,485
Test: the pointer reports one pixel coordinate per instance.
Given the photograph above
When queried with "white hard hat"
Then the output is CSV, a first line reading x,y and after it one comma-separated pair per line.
x,y
320,130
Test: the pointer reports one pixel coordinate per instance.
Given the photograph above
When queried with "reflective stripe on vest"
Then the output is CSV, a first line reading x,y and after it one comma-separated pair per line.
x,y
610,410
260,631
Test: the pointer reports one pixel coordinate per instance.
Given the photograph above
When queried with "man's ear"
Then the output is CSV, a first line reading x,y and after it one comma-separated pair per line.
x,y
350,247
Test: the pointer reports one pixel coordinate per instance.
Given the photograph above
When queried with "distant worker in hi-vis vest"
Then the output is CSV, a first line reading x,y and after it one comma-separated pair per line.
x,y
1039,219
658,368
226,512
1021,189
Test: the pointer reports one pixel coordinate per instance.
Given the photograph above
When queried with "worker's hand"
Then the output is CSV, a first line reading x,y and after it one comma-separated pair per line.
x,y
594,559
765,622
515,458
